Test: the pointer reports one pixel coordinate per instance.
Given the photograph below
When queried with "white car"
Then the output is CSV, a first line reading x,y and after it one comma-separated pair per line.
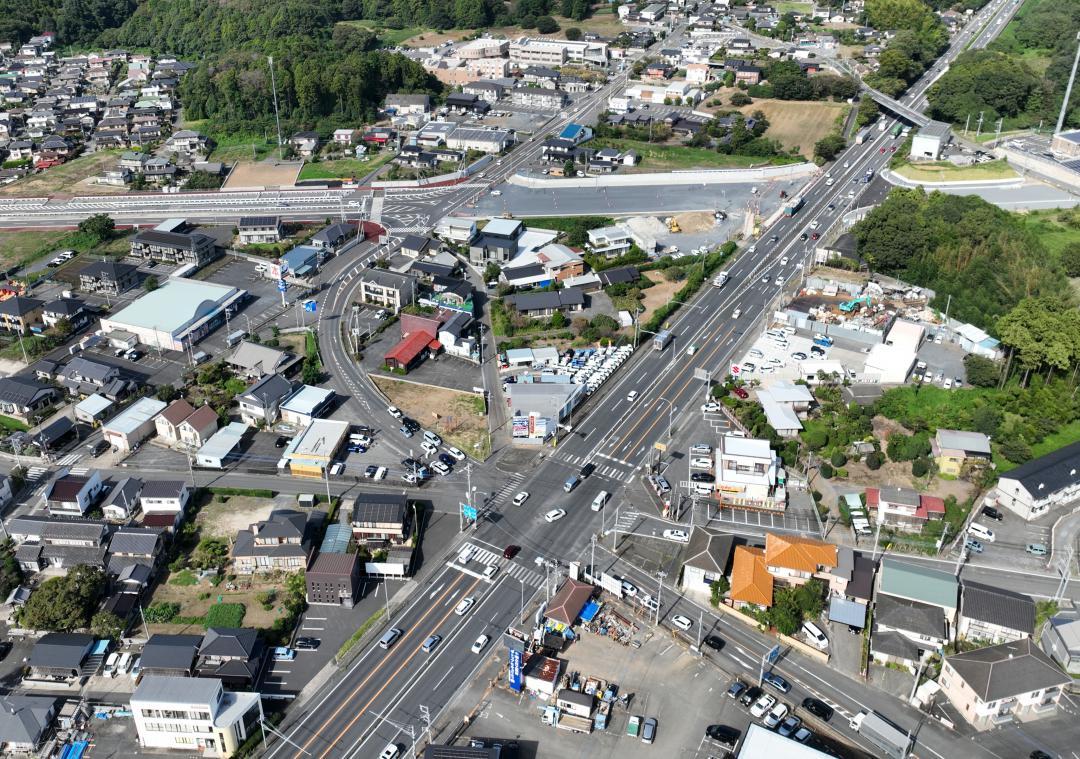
x,y
457,453
478,646
520,498
631,396
775,716
380,473
778,281
628,588
784,261
710,408
762,705
429,448
755,353
390,752
701,463
736,313
490,570
496,193
394,411
464,606
680,536
700,449
441,468
683,623
554,515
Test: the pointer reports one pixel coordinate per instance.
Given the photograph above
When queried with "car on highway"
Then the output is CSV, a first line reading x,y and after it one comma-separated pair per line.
x,y
490,570
762,706
818,708
462,608
788,727
683,623
775,716
736,313
765,280
784,261
776,681
520,498
778,281
554,515
394,411
815,235
586,469
628,588
739,393
631,396
479,644
431,643
804,237
774,239
680,536
712,407
715,642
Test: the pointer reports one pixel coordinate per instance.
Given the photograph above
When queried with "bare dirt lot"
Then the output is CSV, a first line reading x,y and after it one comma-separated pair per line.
x,y
75,176
796,123
263,174
695,222
657,295
225,519
452,414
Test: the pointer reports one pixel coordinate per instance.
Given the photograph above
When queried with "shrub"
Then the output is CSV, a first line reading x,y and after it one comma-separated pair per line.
x,y
874,461
838,459
161,612
826,470
920,466
225,615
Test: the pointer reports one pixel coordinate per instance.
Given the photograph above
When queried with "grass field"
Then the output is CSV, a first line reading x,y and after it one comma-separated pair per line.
x,y
66,177
943,171
1054,228
1067,435
656,157
392,37
236,147
16,247
798,124
345,168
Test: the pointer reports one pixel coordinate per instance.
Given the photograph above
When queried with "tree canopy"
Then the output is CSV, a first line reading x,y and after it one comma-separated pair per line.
x,y
994,84
61,604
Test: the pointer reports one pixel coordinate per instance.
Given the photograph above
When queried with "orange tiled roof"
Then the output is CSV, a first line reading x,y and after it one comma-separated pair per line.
x,y
800,554
750,580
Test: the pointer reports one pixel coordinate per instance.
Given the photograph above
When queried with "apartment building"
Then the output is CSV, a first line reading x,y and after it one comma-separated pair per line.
x,y
193,715
750,474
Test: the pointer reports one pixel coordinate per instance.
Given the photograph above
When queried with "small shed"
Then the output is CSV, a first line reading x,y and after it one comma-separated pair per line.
x,y
93,409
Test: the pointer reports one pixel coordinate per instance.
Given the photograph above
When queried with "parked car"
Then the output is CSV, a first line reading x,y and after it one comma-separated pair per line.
x,y
281,653
683,623
992,513
776,681
740,393
750,695
1037,549
680,536
736,689
724,734
307,644
648,730
788,727
973,545
762,706
775,716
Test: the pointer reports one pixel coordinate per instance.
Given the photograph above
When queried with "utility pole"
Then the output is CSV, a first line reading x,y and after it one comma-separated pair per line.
x,y
659,589
277,115
967,123
978,126
1068,89
425,714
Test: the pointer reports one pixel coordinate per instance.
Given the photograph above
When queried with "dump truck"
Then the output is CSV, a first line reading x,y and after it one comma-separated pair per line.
x,y
792,206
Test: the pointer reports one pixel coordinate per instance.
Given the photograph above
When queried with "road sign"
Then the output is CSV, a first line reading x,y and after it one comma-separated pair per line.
x,y
735,369
773,655
468,511
517,659
310,306
702,374
282,286
660,446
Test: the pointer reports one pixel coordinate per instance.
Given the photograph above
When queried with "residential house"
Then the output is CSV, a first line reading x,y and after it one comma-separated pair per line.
x,y
1060,640
194,715
706,560
994,615
59,657
166,655
260,229
233,655
130,427
536,305
108,277
168,421
490,92
157,170
481,139
346,137
1031,489
123,500
751,583
23,398
915,582
497,243
83,377
905,631
402,104
306,144
416,246
558,150
164,497
25,723
456,231
188,142
956,451
252,360
306,404
72,495
540,76
1001,684
70,310
611,241
387,289
903,508
459,102
750,474
174,247
280,543
795,560
419,339
58,542
315,448
381,519
261,401
18,313
333,579
329,239
133,546
538,97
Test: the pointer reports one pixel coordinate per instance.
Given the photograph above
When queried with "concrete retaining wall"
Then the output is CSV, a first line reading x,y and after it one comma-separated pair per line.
x,y
894,178
707,177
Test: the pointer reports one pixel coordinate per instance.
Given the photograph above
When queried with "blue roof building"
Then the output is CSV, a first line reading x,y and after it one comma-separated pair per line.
x,y
303,260
576,133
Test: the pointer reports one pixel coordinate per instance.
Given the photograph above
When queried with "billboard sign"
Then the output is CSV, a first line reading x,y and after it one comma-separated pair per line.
x,y
517,660
611,584
521,426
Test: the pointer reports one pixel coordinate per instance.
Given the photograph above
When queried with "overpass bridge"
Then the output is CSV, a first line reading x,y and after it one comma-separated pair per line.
x,y
892,105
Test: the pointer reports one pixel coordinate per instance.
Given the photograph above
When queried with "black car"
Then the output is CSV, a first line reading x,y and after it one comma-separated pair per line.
x,y
588,469
714,642
5,649
818,708
306,644
752,694
992,513
1036,754
411,464
362,429
281,442
370,471
701,477
804,237
447,459
729,736
410,424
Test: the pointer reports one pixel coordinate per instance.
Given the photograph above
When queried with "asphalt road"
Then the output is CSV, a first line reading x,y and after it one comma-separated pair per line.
x,y
619,437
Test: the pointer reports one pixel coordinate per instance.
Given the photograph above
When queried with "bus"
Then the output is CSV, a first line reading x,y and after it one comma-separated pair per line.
x,y
895,131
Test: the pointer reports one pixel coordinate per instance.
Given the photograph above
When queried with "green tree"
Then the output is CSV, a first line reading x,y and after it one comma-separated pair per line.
x,y
167,393
546,25
1015,450
311,371
210,553
981,371
568,168
558,320
100,226
1070,259
717,589
829,146
61,604
739,99
874,461
150,283
105,624
573,34
826,470
10,573
920,467
492,272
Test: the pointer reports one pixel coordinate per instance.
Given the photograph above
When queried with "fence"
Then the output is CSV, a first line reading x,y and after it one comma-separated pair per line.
x,y
714,176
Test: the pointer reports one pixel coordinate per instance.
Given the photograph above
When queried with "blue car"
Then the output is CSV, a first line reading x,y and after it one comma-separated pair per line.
x,y
773,679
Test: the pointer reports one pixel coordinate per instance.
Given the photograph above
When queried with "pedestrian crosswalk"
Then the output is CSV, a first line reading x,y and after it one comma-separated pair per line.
x,y
612,471
79,471
68,460
482,557
508,489
35,473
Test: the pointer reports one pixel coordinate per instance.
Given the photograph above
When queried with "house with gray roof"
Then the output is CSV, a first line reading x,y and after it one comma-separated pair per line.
x,y
994,615
1033,488
253,360
1060,640
60,656
956,451
280,543
906,632
232,655
915,582
538,305
23,398
25,722
170,655
381,518
1001,684
133,545
707,559
82,377
108,277
331,238
260,403
122,500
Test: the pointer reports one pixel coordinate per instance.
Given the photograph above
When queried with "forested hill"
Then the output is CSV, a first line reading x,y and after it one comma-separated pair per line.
x,y
327,75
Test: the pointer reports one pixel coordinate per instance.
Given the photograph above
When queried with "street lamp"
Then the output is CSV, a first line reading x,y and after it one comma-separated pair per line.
x,y
672,408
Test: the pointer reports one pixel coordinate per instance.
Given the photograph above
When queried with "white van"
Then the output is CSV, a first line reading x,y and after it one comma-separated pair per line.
x,y
601,499
815,635
124,664
981,532
701,488
110,665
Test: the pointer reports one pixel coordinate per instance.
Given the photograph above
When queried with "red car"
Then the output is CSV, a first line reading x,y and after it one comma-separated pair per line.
x,y
892,149
814,236
881,150
740,393
511,551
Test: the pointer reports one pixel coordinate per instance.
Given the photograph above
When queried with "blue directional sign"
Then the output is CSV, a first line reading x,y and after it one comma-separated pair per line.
x,y
517,660
773,655
309,305
282,286
468,511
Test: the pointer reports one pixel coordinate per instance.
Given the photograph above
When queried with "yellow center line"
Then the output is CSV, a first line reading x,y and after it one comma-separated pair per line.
x,y
374,671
